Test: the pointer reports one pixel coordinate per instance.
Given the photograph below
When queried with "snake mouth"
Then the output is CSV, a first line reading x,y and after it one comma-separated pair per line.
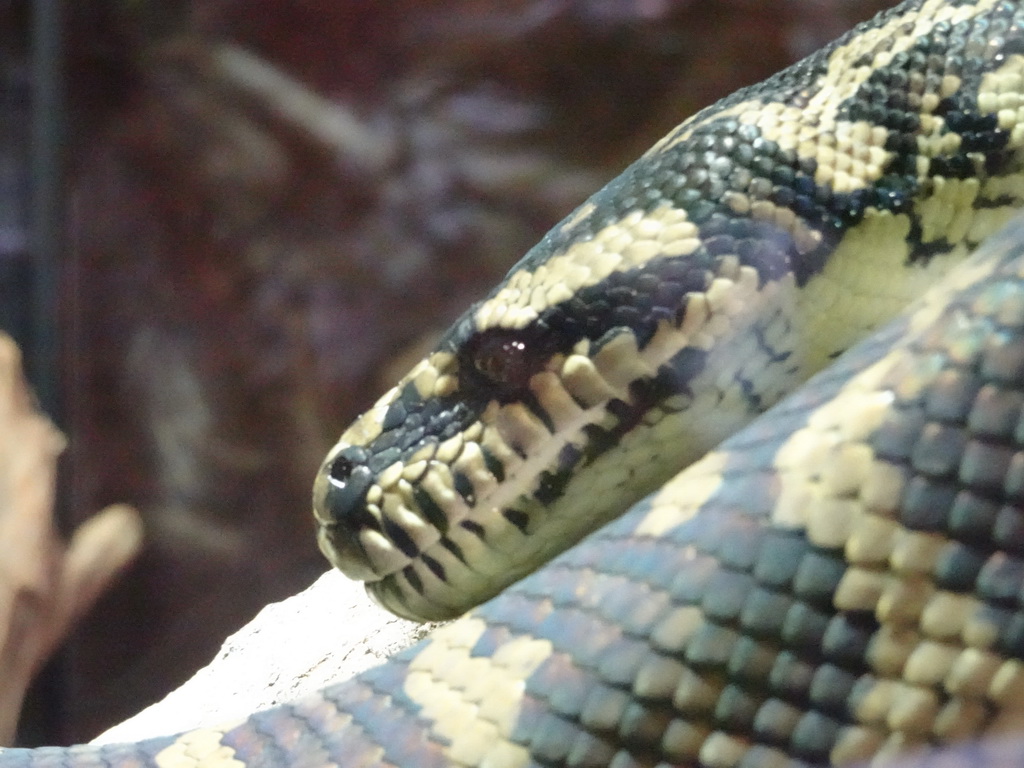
x,y
453,518
427,515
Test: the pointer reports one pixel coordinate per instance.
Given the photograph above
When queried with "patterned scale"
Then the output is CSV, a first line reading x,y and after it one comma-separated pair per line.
x,y
841,579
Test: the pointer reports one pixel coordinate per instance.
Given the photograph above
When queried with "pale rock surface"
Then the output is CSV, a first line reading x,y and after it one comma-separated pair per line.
x,y
327,633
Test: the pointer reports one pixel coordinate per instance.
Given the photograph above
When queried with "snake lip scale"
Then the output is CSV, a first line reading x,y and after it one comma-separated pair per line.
x,y
841,581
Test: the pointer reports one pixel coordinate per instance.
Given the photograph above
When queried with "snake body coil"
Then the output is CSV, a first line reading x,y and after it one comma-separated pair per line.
x,y
842,581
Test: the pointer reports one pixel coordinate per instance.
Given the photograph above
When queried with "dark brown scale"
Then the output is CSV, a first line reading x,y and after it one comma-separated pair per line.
x,y
846,638
927,503
1011,639
951,396
551,740
736,709
775,722
791,677
985,464
972,517
831,688
726,595
643,613
814,736
957,568
564,686
643,724
764,612
818,576
710,647
779,558
1008,531
1001,580
804,628
898,436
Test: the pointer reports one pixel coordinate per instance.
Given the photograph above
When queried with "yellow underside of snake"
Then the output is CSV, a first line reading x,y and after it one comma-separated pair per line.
x,y
840,582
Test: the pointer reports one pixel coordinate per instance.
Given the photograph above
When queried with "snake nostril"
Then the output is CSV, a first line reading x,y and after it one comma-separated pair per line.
x,y
341,469
348,480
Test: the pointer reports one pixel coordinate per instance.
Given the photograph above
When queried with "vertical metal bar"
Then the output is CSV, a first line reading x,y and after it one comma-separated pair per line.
x,y
14,174
46,211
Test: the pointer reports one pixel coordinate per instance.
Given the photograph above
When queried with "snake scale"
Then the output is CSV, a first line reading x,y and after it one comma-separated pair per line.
x,y
839,582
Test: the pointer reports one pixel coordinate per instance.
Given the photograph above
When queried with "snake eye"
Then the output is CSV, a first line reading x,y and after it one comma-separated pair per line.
x,y
503,359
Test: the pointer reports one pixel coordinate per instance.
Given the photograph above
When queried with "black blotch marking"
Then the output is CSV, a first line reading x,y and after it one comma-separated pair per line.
x,y
494,466
430,509
598,440
551,486
435,567
1001,201
568,457
413,578
475,528
519,519
399,537
464,487
455,549
532,404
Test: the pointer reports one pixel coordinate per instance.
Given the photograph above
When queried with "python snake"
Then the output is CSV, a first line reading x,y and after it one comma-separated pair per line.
x,y
840,582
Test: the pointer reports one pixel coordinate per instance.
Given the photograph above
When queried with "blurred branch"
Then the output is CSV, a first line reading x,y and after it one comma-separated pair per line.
x,y
327,123
45,585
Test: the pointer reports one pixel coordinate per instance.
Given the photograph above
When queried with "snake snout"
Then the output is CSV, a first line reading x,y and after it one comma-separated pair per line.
x,y
348,480
339,504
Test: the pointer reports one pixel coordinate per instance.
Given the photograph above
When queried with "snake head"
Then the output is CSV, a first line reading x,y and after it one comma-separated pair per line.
x,y
420,483
647,325
518,434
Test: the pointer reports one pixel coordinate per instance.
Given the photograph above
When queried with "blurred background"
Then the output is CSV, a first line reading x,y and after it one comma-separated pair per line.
x,y
227,225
